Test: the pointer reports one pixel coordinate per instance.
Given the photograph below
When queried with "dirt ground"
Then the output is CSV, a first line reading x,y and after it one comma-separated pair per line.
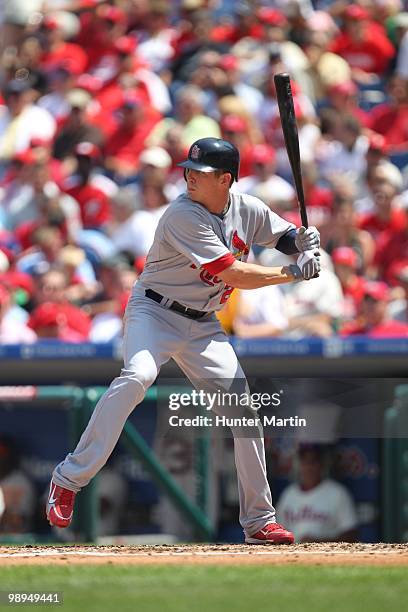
x,y
209,554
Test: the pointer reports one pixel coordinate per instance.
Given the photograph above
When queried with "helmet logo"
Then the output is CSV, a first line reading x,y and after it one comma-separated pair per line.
x,y
195,152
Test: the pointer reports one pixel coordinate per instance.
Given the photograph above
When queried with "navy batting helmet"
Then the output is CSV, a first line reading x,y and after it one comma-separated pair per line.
x,y
209,154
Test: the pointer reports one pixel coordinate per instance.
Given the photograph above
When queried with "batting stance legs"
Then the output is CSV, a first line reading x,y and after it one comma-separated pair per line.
x,y
153,335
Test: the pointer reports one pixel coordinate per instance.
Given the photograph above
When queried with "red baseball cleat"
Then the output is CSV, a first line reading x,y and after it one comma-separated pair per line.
x,y
273,533
60,506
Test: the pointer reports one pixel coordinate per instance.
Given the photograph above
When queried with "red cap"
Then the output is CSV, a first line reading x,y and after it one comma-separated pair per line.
x,y
112,13
356,13
126,44
87,149
50,23
377,290
263,154
271,17
345,256
19,280
46,315
233,123
27,157
228,62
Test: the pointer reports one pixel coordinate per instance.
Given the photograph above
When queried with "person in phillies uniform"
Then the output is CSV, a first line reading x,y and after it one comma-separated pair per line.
x,y
199,255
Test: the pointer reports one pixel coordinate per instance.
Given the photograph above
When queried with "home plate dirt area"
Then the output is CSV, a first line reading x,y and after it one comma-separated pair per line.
x,y
209,554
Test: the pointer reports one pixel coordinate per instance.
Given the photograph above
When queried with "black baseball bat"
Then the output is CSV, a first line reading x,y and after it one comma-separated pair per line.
x,y
290,132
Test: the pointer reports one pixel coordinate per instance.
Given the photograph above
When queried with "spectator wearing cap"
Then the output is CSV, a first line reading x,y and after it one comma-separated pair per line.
x,y
316,507
123,148
57,27
155,164
77,127
21,120
50,322
51,290
373,319
12,330
346,263
363,44
391,118
344,231
276,192
94,203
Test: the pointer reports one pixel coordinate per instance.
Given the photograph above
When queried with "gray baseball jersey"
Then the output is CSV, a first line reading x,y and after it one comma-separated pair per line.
x,y
192,245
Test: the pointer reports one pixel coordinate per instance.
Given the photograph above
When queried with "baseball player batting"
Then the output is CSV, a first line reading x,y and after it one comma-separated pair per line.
x,y
198,256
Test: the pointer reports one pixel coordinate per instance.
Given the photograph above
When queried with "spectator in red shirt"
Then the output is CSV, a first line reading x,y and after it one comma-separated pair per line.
x,y
391,119
99,31
373,320
57,51
50,295
391,248
384,184
345,261
94,204
123,148
363,44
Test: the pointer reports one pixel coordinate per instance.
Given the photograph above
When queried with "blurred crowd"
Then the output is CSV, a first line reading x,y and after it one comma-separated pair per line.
x,y
101,100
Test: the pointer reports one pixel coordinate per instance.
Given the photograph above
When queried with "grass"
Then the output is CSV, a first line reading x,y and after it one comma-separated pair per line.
x,y
124,588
